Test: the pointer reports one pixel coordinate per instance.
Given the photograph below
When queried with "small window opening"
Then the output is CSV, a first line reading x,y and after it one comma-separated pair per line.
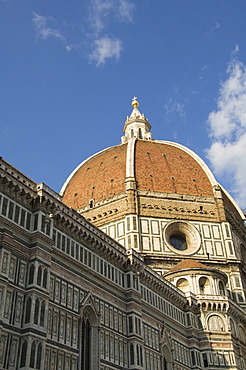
x,y
178,241
91,203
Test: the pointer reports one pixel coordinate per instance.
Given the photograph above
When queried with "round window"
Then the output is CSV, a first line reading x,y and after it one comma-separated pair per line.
x,y
178,242
182,237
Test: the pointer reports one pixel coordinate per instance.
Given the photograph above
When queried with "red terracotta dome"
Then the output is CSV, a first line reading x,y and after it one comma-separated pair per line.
x,y
153,166
158,166
188,264
99,177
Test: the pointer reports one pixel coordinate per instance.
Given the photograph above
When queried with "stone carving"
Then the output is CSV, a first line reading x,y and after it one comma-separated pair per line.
x,y
2,348
75,300
18,309
12,268
62,327
68,329
63,294
22,273
60,362
75,332
5,263
7,305
55,324
67,363
46,359
51,287
53,361
13,352
49,322
69,296
57,290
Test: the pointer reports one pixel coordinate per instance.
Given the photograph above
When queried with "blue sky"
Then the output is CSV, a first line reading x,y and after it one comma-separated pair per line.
x,y
69,69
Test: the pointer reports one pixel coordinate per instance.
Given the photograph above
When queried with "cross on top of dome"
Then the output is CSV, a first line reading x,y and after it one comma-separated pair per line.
x,y
135,103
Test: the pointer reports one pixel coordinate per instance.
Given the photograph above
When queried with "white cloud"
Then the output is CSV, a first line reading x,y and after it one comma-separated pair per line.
x,y
106,48
173,106
228,129
42,28
209,34
101,11
204,69
71,47
125,10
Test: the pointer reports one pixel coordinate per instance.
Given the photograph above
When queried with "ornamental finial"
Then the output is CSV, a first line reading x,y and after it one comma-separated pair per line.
x,y
135,103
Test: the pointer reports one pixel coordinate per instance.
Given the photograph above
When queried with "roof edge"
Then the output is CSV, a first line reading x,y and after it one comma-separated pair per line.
x,y
198,159
64,186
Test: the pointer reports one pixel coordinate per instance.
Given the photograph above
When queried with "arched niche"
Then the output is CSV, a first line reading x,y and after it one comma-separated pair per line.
x,y
221,288
89,334
242,335
183,284
204,285
215,323
166,358
233,328
243,253
166,349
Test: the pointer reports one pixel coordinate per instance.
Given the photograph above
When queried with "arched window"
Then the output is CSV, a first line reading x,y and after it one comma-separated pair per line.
x,y
141,355
204,286
132,133
221,288
183,285
39,356
89,339
39,278
28,310
23,354
131,354
243,252
45,274
42,313
164,363
138,355
166,358
31,274
36,311
33,353
140,133
233,329
86,344
242,335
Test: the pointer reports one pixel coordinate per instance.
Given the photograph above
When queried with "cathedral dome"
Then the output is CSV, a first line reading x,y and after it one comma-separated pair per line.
x,y
148,165
158,167
155,196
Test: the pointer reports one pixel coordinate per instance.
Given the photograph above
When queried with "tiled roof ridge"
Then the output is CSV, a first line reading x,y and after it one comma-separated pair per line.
x,y
187,264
